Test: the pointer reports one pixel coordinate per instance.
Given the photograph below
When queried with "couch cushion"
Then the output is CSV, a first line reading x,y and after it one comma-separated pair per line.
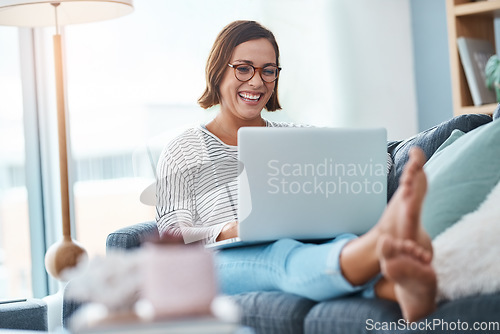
x,y
274,312
359,315
349,315
29,315
460,177
429,141
481,310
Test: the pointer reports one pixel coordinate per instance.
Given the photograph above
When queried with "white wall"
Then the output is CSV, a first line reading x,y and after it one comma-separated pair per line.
x,y
352,59
373,42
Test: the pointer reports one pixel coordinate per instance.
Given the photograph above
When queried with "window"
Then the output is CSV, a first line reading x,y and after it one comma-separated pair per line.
x,y
15,249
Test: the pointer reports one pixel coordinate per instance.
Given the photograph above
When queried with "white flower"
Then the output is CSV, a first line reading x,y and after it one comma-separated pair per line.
x,y
113,280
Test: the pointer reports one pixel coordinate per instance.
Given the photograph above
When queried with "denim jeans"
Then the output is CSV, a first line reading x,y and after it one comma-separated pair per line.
x,y
308,270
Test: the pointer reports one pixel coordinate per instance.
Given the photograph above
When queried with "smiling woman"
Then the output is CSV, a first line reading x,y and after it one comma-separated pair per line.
x,y
329,269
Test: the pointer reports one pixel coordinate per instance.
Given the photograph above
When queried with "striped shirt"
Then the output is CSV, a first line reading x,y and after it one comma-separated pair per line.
x,y
196,187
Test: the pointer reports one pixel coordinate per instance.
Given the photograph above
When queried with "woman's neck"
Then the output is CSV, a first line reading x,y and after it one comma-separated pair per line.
x,y
226,129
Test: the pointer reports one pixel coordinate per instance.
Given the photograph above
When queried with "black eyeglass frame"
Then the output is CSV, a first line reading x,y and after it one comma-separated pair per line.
x,y
255,70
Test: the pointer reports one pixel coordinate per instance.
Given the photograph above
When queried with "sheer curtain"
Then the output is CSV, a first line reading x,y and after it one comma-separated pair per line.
x,y
15,248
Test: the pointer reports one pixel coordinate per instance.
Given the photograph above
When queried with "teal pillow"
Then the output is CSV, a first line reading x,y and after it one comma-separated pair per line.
x,y
461,173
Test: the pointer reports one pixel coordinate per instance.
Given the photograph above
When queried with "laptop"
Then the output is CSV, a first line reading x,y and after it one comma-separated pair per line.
x,y
308,183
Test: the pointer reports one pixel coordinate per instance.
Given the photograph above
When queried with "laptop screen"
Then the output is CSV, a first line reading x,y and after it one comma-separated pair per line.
x,y
308,183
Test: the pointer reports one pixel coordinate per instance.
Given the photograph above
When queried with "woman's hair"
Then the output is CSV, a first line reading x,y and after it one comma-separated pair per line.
x,y
229,38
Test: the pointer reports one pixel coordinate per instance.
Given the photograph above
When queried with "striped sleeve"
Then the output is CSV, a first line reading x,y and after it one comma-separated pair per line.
x,y
390,162
175,197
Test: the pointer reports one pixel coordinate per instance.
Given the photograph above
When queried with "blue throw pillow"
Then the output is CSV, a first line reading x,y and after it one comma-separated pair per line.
x,y
460,175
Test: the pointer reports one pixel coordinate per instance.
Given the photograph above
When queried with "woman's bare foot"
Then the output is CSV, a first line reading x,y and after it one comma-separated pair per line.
x,y
408,266
401,219
405,249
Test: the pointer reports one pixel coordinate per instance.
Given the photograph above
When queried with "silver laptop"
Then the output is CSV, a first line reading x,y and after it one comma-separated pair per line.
x,y
308,183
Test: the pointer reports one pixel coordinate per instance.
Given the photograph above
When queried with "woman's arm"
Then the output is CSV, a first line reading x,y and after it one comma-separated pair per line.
x,y
230,230
177,224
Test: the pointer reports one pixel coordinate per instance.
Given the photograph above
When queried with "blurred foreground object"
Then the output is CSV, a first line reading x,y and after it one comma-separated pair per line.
x,y
170,284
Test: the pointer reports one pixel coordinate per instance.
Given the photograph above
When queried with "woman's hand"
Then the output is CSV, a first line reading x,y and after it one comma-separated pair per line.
x,y
230,230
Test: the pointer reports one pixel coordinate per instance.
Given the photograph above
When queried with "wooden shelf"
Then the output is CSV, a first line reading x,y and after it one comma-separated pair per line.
x,y
474,20
485,109
477,8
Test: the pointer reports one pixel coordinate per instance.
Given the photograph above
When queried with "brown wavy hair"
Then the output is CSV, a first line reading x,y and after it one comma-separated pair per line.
x,y
229,38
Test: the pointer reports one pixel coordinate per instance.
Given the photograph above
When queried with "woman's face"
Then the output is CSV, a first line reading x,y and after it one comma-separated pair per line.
x,y
245,100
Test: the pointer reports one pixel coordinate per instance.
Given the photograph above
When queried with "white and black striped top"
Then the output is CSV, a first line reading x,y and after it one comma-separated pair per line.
x,y
196,187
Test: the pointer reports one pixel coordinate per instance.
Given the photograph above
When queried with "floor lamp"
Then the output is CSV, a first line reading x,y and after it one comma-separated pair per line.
x,y
39,13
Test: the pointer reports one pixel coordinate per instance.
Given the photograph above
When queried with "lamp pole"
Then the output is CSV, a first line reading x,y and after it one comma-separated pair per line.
x,y
65,253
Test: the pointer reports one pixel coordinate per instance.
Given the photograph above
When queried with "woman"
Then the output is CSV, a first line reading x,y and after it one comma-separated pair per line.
x,y
197,197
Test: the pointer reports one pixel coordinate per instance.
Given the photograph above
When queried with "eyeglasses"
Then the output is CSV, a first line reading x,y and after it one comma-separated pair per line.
x,y
245,72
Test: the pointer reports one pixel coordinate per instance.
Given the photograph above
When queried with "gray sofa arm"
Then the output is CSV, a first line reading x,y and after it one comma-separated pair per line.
x,y
27,315
132,236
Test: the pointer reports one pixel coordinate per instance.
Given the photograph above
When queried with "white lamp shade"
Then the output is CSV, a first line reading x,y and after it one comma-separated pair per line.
x,y
39,13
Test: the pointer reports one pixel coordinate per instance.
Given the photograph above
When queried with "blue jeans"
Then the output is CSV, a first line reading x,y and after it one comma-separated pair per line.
x,y
308,270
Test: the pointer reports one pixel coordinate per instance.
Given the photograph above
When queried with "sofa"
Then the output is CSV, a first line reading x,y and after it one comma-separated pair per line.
x,y
277,312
